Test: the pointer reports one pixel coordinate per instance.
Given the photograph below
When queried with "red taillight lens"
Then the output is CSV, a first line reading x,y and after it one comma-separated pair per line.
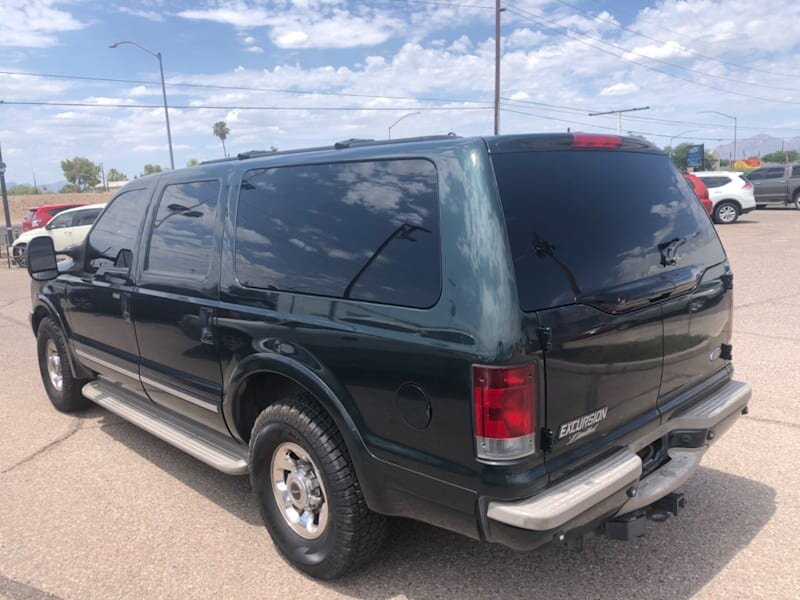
x,y
595,140
505,411
747,185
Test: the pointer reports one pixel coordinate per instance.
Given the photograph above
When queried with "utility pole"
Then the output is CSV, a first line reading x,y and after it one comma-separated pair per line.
x,y
619,115
4,192
497,11
103,174
35,187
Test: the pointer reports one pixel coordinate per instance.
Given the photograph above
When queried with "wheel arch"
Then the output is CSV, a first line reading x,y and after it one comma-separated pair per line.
x,y
262,379
44,308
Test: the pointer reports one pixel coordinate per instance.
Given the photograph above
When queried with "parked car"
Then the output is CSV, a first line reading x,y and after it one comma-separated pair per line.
x,y
776,185
39,216
700,190
410,328
731,194
67,228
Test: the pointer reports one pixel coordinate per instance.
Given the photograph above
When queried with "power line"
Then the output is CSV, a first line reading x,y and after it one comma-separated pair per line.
x,y
577,37
689,50
594,125
227,87
582,111
658,60
216,107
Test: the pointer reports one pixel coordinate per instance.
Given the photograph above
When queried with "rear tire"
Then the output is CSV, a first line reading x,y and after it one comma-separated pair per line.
x,y
62,388
308,492
797,200
726,212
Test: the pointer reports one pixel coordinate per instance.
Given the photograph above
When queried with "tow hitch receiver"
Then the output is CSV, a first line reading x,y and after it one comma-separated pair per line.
x,y
630,526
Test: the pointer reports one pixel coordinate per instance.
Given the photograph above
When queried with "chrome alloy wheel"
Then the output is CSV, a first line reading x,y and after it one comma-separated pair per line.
x,y
299,492
727,214
54,365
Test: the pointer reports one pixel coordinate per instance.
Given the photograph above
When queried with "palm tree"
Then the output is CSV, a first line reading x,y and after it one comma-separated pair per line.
x,y
221,131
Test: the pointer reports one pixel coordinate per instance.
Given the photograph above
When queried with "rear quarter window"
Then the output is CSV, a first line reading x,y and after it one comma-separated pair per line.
x,y
361,230
581,222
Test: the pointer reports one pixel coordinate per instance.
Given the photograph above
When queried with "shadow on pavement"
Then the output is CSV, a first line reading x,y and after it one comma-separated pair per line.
x,y
231,493
674,559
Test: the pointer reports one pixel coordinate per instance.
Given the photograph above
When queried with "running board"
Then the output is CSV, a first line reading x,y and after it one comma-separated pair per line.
x,y
210,447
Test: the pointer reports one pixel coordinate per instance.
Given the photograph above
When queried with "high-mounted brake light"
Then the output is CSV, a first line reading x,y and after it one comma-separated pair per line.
x,y
595,140
505,411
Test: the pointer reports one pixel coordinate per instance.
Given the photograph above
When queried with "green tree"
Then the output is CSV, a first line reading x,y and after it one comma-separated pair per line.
x,y
114,175
680,157
23,189
81,172
192,162
779,157
68,189
221,130
150,169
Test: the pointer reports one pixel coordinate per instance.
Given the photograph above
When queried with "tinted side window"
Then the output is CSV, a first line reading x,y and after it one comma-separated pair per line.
x,y
796,171
86,217
362,230
775,173
181,238
715,182
755,175
62,221
583,223
113,240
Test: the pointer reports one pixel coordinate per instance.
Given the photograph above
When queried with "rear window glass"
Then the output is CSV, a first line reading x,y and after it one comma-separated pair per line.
x,y
583,222
715,182
361,230
30,212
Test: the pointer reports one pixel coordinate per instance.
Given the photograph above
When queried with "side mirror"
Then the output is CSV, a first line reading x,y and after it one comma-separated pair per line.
x,y
42,264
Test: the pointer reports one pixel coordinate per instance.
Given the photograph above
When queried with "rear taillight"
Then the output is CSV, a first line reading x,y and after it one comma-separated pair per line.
x,y
747,185
505,411
595,140
36,222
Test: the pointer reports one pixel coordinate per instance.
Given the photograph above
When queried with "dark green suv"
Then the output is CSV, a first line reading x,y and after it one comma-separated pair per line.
x,y
517,338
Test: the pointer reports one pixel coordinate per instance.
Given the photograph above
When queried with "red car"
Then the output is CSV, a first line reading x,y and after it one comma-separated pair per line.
x,y
701,191
39,216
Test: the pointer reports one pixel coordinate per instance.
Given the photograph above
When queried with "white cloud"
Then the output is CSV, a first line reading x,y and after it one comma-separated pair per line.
x,y
34,23
150,15
669,49
254,49
619,89
238,17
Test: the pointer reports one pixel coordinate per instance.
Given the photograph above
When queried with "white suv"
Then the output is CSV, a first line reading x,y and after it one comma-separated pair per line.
x,y
67,228
730,193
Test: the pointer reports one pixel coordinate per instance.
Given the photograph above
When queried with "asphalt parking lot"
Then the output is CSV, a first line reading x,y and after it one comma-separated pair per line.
x,y
92,507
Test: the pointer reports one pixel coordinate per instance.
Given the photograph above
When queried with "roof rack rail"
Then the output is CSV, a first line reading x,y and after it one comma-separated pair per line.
x,y
351,143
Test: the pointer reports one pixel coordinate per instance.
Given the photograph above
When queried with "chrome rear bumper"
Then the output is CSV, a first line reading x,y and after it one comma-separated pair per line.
x,y
577,494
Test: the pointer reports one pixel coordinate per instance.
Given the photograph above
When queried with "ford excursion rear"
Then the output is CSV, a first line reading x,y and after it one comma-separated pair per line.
x,y
520,338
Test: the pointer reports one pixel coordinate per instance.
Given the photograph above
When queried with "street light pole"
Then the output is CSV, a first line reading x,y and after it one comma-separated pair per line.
x,y
682,133
157,55
4,192
735,125
497,11
400,119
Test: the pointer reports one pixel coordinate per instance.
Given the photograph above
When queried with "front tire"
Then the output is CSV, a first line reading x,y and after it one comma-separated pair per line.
x,y
726,212
62,388
308,492
19,254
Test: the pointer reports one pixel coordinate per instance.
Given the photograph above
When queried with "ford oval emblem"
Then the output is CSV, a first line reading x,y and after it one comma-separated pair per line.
x,y
715,354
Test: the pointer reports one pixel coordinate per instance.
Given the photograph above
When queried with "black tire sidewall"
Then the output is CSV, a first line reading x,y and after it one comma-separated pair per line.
x,y
309,555
19,253
69,399
717,209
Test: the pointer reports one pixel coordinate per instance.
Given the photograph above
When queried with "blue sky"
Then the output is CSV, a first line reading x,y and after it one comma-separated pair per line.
x,y
561,60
